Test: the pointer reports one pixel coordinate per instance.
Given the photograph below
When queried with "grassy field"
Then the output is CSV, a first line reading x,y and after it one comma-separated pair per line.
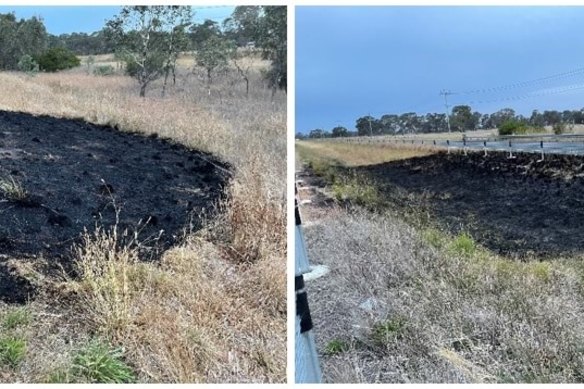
x,y
355,154
407,302
214,308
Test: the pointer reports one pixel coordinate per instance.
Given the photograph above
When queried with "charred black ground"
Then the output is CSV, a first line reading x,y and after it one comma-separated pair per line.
x,y
517,207
75,172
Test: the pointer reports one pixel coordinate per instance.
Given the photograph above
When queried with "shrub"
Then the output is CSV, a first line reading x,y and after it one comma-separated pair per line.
x,y
103,70
28,65
559,128
57,58
512,127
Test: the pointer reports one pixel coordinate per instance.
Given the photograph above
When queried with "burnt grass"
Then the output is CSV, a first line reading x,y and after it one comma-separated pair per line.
x,y
76,174
519,208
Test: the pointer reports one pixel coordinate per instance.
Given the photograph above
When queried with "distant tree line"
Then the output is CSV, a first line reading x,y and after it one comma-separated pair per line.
x,y
462,118
148,40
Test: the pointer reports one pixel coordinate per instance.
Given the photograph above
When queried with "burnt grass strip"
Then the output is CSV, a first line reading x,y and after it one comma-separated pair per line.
x,y
74,173
519,208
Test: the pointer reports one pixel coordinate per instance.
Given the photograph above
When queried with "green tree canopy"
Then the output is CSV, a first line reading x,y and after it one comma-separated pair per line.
x,y
57,58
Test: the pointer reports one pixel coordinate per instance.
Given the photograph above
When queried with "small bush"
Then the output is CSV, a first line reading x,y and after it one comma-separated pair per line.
x,y
511,127
28,65
98,363
559,128
12,350
57,58
104,70
336,346
16,318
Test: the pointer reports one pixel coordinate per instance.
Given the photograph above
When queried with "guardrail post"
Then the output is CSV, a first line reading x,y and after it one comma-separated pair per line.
x,y
511,156
307,363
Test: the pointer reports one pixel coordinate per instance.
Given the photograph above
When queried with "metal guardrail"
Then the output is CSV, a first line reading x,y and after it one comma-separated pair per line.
x,y
567,144
307,369
534,137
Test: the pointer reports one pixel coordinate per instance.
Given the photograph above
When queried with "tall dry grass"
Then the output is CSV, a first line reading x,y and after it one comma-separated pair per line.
x,y
420,306
213,309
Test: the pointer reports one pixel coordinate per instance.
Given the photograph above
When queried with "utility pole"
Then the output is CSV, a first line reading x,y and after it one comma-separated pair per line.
x,y
445,93
370,130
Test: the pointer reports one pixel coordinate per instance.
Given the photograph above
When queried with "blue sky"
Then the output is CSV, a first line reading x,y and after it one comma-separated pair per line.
x,y
65,19
351,61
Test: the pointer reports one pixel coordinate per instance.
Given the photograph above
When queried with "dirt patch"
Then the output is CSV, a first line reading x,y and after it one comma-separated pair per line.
x,y
77,174
517,207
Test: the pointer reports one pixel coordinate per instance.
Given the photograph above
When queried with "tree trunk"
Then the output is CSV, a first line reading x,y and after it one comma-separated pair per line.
x,y
143,89
166,72
209,81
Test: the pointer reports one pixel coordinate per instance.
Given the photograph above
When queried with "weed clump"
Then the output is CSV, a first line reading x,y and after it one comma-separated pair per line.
x,y
16,318
463,244
12,190
12,350
99,363
336,346
389,329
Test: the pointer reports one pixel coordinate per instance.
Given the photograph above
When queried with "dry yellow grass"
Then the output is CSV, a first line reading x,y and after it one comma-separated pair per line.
x,y
213,309
351,154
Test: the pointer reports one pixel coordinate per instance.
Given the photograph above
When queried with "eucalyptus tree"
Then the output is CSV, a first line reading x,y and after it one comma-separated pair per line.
x,y
147,38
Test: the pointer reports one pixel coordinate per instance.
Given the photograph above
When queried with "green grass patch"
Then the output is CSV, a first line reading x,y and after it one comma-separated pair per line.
x,y
16,318
336,346
463,244
356,190
389,329
99,363
12,351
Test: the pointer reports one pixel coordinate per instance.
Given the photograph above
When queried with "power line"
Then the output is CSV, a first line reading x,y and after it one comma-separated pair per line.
x,y
550,92
523,84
